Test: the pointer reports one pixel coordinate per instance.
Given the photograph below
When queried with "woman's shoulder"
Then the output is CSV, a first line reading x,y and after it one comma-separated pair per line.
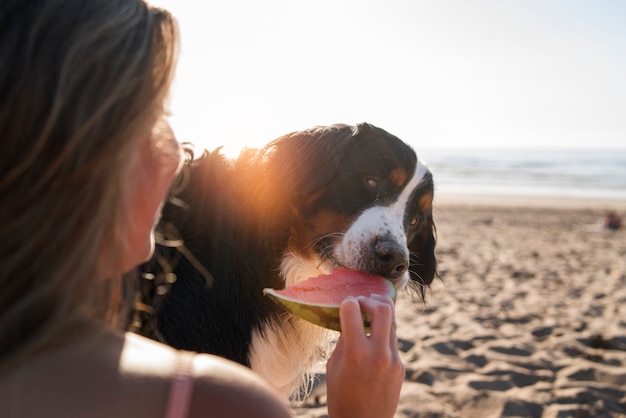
x,y
230,390
90,370
218,386
102,373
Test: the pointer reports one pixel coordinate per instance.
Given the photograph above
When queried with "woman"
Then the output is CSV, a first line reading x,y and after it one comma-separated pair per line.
x,y
87,160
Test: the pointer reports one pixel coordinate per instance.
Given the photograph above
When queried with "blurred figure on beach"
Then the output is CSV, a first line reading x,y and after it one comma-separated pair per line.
x,y
612,221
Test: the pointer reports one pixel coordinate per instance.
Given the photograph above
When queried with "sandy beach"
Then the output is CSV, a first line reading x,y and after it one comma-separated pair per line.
x,y
528,319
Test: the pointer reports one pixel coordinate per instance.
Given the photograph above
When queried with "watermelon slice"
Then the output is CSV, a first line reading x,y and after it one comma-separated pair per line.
x,y
317,299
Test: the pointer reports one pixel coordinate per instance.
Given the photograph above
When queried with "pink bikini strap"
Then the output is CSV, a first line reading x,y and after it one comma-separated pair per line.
x,y
181,389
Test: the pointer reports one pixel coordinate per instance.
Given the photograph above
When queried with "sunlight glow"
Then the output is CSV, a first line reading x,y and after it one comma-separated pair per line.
x,y
436,74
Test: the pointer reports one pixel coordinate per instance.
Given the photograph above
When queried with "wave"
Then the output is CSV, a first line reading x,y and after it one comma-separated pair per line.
x,y
532,172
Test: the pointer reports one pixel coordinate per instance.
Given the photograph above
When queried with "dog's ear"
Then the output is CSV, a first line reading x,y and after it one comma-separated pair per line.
x,y
423,264
289,170
304,161
421,244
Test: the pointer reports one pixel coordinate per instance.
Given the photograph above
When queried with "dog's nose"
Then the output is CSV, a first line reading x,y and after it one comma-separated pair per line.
x,y
391,259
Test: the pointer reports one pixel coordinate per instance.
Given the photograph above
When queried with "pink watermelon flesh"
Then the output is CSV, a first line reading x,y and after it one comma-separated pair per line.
x,y
333,288
317,299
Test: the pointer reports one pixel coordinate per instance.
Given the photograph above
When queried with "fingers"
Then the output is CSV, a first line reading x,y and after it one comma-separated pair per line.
x,y
383,299
381,311
351,321
381,317
393,339
365,372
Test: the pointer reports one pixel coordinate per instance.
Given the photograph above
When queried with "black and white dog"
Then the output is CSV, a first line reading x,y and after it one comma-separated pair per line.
x,y
310,201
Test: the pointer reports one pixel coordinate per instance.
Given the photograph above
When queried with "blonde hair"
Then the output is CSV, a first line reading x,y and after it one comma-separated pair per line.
x,y
80,81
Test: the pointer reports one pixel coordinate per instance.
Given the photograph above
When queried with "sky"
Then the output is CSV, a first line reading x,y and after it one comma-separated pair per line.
x,y
436,73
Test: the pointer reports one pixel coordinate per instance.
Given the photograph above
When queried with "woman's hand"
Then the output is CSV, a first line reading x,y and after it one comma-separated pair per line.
x,y
364,374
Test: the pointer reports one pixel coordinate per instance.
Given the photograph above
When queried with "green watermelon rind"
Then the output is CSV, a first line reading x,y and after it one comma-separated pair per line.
x,y
324,315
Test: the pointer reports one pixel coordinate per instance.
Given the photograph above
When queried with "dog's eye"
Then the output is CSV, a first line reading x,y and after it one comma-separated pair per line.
x,y
414,221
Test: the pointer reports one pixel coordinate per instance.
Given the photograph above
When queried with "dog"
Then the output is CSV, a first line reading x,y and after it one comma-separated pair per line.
x,y
308,202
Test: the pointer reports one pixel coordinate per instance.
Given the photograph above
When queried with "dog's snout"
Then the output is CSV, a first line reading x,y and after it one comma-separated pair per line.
x,y
391,259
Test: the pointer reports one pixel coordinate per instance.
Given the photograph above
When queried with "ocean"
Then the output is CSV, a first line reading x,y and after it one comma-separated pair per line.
x,y
595,174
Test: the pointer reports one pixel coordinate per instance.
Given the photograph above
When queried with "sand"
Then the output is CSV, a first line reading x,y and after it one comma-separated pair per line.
x,y
528,319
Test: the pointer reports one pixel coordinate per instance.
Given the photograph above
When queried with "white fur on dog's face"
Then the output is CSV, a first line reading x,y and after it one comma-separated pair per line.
x,y
378,222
